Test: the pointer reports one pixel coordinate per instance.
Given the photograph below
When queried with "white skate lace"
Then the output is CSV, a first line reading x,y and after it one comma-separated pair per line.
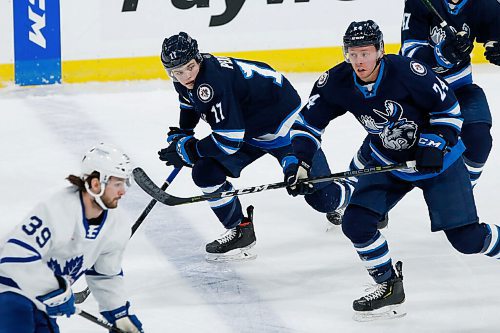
x,y
227,236
375,291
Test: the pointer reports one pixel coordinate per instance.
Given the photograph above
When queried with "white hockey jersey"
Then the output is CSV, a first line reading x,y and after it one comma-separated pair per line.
x,y
56,239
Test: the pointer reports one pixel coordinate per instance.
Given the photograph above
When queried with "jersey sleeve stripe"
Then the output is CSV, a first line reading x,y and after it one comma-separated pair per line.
x,y
24,245
453,122
411,45
17,259
185,106
453,111
231,135
226,149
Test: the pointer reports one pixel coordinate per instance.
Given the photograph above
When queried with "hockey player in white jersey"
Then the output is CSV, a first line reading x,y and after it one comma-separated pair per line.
x,y
77,231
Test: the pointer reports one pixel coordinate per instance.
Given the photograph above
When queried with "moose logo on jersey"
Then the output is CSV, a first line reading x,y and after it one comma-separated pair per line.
x,y
396,133
72,268
437,34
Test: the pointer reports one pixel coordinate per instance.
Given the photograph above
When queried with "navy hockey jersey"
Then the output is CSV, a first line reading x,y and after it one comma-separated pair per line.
x,y
421,32
406,99
242,101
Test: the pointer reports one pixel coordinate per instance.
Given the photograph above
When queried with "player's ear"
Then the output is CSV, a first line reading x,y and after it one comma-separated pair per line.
x,y
95,185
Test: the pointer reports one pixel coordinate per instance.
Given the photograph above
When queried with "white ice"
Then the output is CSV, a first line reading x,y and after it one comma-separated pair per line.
x,y
303,280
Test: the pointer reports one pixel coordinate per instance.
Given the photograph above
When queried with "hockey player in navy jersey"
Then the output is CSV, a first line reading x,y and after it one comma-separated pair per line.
x,y
448,54
250,108
77,231
409,113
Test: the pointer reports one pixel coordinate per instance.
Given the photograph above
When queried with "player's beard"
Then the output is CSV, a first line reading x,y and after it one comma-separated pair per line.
x,y
111,203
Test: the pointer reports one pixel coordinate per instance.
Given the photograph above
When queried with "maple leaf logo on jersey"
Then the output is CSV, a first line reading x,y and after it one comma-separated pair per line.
x,y
396,132
72,268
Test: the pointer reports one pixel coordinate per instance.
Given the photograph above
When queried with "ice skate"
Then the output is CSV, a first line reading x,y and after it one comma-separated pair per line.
x,y
384,301
335,219
235,243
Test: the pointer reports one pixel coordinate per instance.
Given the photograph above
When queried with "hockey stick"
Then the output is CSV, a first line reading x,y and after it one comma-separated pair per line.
x,y
98,321
443,23
150,187
81,296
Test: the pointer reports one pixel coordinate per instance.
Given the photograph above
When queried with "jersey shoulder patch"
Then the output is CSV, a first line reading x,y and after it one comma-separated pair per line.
x,y
322,79
418,68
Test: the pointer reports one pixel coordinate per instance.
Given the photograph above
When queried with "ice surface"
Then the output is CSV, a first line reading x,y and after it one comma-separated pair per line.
x,y
304,279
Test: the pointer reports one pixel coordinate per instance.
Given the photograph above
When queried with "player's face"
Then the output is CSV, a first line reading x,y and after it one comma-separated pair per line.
x,y
363,60
187,74
115,189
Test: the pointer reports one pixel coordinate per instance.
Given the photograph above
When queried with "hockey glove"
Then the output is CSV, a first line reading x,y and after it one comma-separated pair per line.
x,y
120,318
454,49
181,152
175,133
492,52
295,169
430,153
61,301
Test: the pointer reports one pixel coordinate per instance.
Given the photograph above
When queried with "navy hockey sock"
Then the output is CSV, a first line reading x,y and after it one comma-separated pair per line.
x,y
492,243
376,258
228,210
477,139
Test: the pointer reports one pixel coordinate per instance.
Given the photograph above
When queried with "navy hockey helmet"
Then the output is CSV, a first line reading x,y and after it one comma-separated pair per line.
x,y
363,33
178,50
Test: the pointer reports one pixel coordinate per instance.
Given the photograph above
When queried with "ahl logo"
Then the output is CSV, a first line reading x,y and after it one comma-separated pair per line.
x,y
36,35
205,92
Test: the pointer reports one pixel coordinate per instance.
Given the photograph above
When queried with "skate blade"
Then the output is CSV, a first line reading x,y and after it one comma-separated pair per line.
x,y
387,312
242,254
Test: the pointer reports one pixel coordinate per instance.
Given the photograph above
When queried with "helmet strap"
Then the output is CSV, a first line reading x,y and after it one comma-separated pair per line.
x,y
97,197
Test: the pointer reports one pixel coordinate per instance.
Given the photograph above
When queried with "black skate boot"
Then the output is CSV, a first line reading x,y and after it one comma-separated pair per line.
x,y
384,222
234,244
335,218
384,302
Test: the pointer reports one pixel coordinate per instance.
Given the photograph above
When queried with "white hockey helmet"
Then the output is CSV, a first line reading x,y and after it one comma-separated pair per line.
x,y
108,161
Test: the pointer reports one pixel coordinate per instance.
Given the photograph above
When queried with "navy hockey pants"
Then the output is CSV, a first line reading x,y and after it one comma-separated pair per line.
x,y
448,196
18,314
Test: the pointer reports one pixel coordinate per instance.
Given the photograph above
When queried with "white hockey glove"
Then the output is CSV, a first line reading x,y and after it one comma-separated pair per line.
x,y
120,318
61,301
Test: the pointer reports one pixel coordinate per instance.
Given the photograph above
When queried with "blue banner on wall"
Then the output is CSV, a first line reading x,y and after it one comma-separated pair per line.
x,y
37,42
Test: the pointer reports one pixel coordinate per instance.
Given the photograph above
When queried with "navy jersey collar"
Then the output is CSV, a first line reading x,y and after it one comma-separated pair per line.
x,y
364,90
456,9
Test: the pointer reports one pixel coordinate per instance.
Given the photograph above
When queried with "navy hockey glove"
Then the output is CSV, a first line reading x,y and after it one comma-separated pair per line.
x,y
492,52
61,301
454,49
120,318
182,149
295,169
430,153
175,133
181,152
